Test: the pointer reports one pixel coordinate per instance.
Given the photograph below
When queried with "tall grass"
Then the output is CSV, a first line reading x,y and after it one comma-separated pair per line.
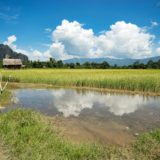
x,y
5,98
133,80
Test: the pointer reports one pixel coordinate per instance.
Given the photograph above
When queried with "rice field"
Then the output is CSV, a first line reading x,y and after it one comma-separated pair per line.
x,y
132,80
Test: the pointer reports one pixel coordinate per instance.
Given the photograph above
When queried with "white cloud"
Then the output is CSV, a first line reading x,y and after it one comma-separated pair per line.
x,y
8,17
158,51
76,40
154,24
32,54
57,51
11,39
71,39
36,55
48,30
123,40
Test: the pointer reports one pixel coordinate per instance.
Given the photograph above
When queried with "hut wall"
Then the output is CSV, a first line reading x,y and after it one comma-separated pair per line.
x,y
12,66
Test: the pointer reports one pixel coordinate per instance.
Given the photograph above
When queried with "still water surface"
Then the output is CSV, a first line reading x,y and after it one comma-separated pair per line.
x,y
90,115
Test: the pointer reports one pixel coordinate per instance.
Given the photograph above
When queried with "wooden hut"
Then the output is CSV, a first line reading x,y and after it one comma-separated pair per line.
x,y
12,63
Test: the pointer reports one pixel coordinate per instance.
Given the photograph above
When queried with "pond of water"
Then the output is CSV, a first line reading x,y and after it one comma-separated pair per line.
x,y
91,115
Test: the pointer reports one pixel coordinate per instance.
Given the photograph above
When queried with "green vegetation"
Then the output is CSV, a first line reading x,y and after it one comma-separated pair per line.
x,y
147,146
5,97
29,135
132,80
52,63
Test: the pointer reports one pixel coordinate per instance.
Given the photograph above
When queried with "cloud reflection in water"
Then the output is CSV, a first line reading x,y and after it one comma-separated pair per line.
x,y
70,102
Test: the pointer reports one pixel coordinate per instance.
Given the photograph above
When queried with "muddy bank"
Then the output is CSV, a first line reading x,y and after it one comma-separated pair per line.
x,y
38,85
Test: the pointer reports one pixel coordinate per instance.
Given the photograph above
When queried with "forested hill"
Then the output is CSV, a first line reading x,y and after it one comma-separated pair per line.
x,y
6,50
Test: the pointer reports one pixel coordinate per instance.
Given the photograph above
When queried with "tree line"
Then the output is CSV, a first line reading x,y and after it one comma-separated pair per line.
x,y
52,63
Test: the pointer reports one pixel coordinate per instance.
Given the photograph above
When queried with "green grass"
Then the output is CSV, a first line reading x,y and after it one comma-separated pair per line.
x,y
132,80
29,135
147,146
5,97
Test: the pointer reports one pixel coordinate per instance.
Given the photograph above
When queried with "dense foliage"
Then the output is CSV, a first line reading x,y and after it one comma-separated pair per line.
x,y
52,63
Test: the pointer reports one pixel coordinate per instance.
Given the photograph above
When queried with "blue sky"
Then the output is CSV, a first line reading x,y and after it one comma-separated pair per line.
x,y
31,26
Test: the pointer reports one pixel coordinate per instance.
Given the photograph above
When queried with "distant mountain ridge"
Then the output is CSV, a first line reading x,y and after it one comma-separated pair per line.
x,y
119,62
6,50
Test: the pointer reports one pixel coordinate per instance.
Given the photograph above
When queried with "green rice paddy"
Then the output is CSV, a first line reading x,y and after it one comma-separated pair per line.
x,y
132,80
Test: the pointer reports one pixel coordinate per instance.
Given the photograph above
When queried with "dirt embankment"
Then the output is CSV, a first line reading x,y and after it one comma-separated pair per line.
x,y
3,153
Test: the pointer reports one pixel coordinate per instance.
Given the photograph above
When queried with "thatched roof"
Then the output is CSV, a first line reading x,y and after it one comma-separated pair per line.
x,y
7,62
